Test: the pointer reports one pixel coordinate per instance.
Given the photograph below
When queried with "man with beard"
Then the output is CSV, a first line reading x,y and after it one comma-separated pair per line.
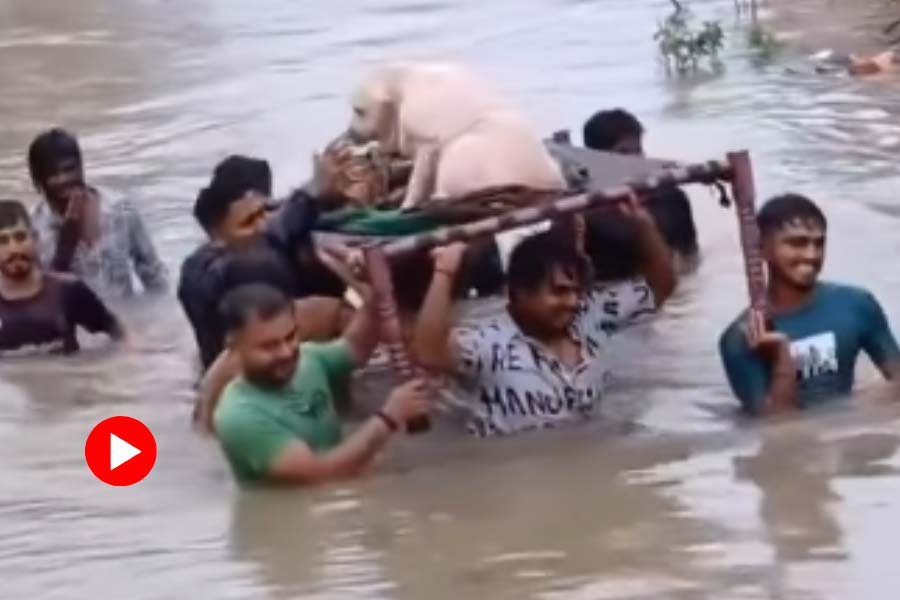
x,y
808,353
277,422
85,230
233,211
39,312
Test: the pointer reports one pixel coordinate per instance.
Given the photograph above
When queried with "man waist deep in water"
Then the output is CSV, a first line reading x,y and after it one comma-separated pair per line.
x,y
276,422
820,328
233,212
40,312
99,238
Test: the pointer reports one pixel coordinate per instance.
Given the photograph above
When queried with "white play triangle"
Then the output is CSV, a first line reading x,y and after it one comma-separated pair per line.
x,y
120,451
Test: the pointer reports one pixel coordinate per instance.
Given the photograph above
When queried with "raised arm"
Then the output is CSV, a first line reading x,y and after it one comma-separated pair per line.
x,y
433,343
361,334
657,265
225,368
297,463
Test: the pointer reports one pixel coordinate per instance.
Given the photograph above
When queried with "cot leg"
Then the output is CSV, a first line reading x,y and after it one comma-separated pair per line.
x,y
391,332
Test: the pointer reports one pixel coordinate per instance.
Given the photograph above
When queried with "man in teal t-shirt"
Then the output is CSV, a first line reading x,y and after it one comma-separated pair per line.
x,y
808,353
276,421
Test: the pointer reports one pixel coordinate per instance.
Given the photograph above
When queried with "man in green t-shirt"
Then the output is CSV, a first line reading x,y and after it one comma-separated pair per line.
x,y
808,354
276,421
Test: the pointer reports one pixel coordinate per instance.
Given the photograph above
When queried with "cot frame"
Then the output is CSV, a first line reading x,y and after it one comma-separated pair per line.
x,y
736,170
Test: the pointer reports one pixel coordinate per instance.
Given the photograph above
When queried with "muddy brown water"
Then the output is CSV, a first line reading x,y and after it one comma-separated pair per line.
x,y
668,497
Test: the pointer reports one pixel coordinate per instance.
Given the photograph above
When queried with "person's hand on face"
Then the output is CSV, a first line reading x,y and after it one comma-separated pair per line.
x,y
77,222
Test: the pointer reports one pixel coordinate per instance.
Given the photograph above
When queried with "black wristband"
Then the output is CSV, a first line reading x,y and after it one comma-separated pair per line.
x,y
387,420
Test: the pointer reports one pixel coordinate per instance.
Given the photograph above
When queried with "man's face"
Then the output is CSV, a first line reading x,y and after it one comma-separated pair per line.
x,y
269,348
16,251
245,220
552,306
67,177
631,145
795,253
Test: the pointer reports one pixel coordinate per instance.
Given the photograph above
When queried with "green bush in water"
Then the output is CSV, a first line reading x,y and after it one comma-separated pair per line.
x,y
683,45
762,40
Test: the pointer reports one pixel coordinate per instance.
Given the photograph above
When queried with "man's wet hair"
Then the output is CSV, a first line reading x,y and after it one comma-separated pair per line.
x,y
12,213
608,127
252,301
612,242
257,264
782,210
671,209
232,178
533,260
48,151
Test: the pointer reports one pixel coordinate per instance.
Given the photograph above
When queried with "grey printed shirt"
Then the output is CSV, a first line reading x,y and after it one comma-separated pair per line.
x,y
124,246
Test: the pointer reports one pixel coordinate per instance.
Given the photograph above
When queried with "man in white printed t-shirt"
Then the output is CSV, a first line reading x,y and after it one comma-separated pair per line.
x,y
542,361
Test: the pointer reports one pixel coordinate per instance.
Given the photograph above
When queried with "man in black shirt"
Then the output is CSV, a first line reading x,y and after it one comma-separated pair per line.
x,y
234,212
39,312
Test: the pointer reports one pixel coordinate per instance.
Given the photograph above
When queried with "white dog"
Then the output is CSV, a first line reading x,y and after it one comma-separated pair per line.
x,y
461,134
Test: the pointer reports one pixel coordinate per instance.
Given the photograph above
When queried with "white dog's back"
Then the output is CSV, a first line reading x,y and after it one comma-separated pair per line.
x,y
441,101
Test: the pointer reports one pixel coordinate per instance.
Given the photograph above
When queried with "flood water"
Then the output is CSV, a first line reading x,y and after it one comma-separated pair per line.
x,y
669,497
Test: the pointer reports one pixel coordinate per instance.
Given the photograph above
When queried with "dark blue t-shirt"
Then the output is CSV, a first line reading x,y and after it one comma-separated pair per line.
x,y
826,338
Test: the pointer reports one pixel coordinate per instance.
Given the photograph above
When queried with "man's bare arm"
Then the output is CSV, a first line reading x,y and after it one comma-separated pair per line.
x,y
225,368
433,344
361,333
299,464
657,264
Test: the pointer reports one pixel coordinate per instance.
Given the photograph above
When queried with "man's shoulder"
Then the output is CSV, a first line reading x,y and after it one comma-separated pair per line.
x,y
322,351
331,358
41,216
204,262
60,278
842,292
497,327
202,256
64,281
113,200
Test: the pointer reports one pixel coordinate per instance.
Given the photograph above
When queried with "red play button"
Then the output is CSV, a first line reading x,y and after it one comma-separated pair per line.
x,y
120,451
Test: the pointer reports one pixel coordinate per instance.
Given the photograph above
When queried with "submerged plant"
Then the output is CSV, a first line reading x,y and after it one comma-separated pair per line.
x,y
762,40
684,45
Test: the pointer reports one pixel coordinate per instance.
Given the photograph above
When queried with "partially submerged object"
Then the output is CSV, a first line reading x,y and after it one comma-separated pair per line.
x,y
858,65
872,64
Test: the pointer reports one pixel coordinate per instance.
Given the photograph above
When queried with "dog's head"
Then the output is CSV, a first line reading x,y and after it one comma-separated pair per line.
x,y
374,104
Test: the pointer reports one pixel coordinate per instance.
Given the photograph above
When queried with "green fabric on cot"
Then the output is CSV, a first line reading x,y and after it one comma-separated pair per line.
x,y
254,424
370,221
826,338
